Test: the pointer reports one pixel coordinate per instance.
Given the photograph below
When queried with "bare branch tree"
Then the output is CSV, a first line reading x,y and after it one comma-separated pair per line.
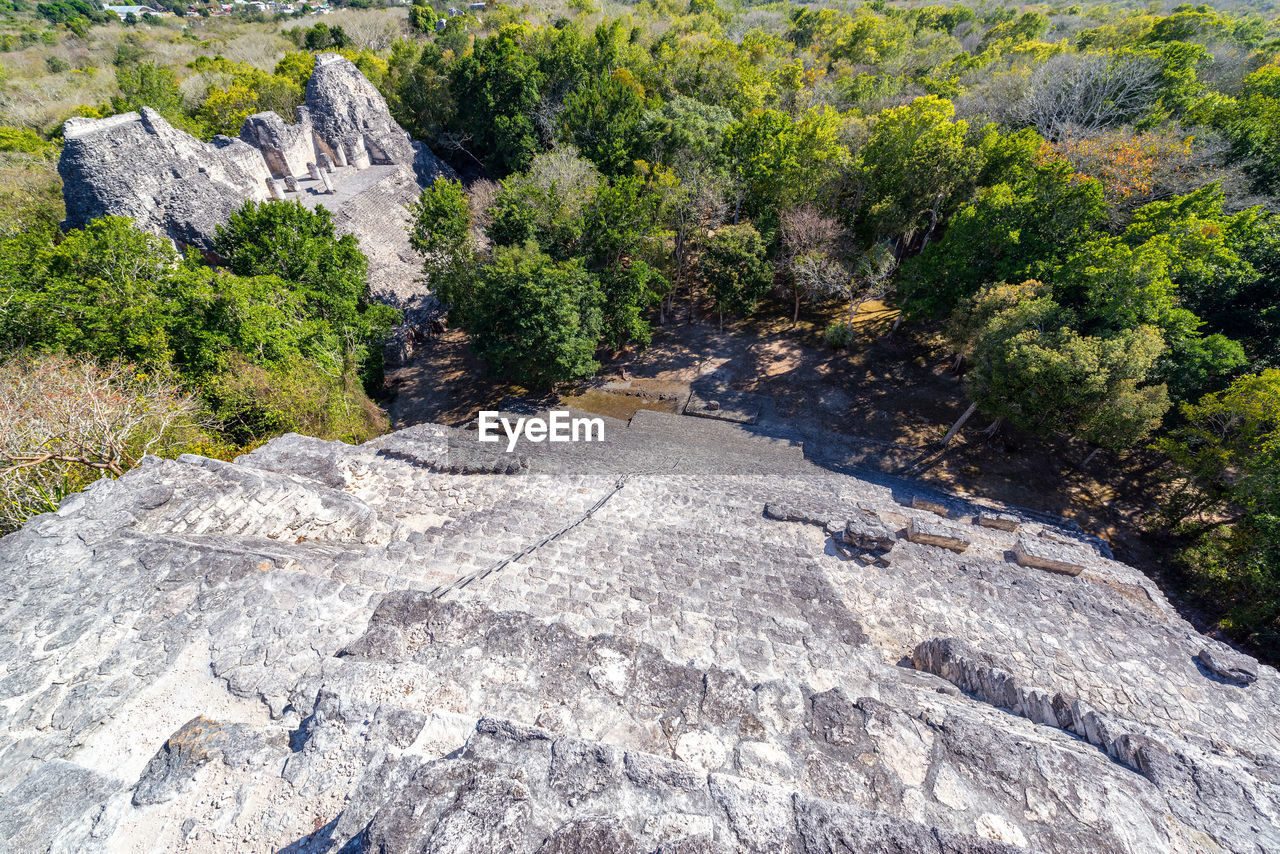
x,y
1085,92
64,422
872,276
809,245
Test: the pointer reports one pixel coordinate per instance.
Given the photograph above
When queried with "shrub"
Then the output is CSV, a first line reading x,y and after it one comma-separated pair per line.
x,y
838,335
294,396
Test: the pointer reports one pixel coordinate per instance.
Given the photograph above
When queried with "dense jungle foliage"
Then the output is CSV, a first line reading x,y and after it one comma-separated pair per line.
x,y
1080,198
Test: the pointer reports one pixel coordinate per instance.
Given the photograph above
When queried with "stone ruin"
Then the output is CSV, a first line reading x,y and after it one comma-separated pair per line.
x,y
686,638
344,151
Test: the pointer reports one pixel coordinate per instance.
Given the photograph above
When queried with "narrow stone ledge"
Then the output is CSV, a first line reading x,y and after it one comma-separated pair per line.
x,y
934,534
999,521
1039,553
918,503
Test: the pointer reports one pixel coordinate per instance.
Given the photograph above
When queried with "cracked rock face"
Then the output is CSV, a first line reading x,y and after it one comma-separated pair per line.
x,y
412,645
139,166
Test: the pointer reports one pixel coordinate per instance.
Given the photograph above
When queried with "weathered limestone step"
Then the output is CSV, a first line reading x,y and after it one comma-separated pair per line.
x,y
689,431
201,494
832,744
931,533
522,789
1217,784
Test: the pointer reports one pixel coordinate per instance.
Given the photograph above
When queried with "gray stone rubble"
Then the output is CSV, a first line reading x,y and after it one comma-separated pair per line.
x,y
419,645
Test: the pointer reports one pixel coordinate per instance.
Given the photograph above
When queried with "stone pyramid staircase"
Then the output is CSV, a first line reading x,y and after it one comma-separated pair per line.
x,y
425,644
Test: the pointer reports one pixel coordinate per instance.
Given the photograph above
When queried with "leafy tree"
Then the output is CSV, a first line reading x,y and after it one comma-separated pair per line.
x,y
1254,125
715,71
1031,367
619,217
629,289
1227,454
441,232
329,273
1117,288
1009,232
534,320
735,269
685,130
220,320
296,65
323,37
147,85
422,18
547,203
100,293
602,119
249,90
288,240
496,89
915,161
73,12
618,224
779,162
418,93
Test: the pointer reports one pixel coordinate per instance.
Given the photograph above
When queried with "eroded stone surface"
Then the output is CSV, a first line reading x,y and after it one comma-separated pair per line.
x,y
1229,664
406,646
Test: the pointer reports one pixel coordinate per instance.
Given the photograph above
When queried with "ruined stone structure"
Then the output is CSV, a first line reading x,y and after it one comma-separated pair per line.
x,y
344,151
426,644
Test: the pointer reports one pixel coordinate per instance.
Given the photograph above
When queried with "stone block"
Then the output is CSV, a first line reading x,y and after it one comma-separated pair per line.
x,y
931,533
999,521
865,531
1229,664
1039,553
919,503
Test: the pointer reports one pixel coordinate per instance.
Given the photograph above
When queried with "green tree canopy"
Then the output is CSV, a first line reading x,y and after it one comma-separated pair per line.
x,y
496,89
1009,232
915,161
532,319
603,118
1031,367
441,231
735,269
780,162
